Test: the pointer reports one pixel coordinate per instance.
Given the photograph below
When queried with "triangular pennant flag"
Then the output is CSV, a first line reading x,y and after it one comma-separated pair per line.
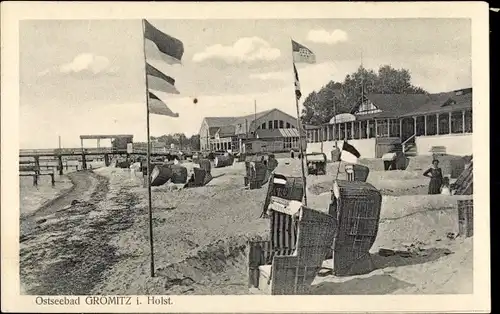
x,y
159,81
298,94
157,106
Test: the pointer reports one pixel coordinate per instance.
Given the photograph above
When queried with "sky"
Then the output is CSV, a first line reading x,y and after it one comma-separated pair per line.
x,y
87,76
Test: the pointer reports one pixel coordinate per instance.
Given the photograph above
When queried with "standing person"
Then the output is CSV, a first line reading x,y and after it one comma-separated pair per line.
x,y
436,176
292,153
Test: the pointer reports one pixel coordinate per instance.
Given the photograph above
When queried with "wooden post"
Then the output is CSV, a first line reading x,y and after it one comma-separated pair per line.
x,y
360,127
449,123
401,128
388,127
463,121
367,128
376,128
37,164
84,161
352,130
437,123
345,131
59,157
414,125
425,125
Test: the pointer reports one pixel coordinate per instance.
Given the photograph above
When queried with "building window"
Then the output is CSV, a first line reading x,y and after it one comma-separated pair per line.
x,y
468,121
356,130
288,125
282,124
420,125
276,124
363,129
263,126
382,128
270,124
444,123
394,127
431,125
287,143
456,122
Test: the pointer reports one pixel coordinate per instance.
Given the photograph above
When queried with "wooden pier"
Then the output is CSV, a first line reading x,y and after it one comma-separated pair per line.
x,y
82,154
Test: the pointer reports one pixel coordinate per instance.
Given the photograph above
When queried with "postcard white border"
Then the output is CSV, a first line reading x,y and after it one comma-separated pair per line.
x,y
13,12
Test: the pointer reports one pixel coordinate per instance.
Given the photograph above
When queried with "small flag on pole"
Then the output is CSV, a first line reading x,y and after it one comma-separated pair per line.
x,y
349,153
157,106
302,54
159,81
160,46
298,94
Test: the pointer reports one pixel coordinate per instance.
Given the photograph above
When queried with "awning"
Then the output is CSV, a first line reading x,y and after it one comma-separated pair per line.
x,y
277,133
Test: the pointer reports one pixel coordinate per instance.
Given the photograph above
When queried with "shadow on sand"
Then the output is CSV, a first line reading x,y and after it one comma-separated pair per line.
x,y
377,283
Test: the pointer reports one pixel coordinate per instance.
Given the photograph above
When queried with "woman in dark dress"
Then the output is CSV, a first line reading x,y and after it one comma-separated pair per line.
x,y
436,178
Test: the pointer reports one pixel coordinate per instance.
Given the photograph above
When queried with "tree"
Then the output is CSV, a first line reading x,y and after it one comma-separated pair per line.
x,y
318,106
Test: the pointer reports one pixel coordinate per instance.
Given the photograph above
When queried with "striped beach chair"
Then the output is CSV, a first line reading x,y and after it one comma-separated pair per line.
x,y
300,238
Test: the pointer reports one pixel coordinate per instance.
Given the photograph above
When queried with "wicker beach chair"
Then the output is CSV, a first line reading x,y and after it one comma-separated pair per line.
x,y
289,188
464,183
357,172
465,218
356,208
289,262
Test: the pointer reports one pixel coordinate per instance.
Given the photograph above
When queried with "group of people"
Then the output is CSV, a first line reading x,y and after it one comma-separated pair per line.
x,y
438,184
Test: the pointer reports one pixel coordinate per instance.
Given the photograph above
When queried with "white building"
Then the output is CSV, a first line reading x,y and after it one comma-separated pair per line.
x,y
273,130
415,124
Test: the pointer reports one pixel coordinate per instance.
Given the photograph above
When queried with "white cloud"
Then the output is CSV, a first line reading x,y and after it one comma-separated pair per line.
x,y
312,76
245,49
325,37
280,76
84,63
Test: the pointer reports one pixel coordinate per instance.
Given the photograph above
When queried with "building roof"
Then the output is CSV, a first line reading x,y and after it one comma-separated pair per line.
x,y
277,133
392,105
445,102
219,121
229,126
227,130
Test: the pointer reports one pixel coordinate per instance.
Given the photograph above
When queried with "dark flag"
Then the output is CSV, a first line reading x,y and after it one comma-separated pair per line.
x,y
161,46
349,153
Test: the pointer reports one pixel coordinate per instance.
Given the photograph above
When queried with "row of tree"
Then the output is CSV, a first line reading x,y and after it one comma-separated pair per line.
x,y
319,106
180,140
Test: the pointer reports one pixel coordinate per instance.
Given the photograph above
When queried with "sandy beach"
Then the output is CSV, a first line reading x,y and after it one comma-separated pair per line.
x,y
94,239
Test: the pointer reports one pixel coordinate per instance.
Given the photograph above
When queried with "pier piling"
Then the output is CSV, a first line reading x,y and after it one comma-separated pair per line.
x,y
60,163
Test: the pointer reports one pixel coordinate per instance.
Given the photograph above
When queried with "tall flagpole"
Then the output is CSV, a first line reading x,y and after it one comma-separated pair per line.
x,y
299,125
255,117
151,246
